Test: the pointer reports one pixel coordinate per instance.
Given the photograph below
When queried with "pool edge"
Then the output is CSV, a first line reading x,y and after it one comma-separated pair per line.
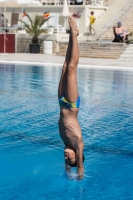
x,y
84,66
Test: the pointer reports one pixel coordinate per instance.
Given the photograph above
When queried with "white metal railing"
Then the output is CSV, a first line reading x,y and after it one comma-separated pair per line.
x,y
56,2
72,2
48,2
95,2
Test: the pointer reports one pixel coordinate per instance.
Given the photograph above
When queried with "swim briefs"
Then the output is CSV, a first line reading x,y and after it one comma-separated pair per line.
x,y
63,102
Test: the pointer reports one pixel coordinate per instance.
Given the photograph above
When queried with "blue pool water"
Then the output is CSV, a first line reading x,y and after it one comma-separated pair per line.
x,y
31,151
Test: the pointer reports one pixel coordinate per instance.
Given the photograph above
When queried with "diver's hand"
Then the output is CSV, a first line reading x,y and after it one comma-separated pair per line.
x,y
80,173
68,169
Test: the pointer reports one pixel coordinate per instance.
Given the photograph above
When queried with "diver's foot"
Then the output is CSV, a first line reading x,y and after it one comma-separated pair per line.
x,y
73,26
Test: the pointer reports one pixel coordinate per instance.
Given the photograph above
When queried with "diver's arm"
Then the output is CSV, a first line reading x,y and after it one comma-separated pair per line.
x,y
79,160
68,170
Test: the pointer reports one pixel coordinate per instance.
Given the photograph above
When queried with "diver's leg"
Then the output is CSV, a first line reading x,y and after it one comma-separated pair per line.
x,y
62,83
61,87
71,90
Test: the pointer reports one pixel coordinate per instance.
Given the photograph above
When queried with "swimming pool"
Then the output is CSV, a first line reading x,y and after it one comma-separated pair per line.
x,y
31,151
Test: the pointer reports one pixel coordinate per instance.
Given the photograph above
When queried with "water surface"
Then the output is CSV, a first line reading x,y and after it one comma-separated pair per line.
x,y
31,151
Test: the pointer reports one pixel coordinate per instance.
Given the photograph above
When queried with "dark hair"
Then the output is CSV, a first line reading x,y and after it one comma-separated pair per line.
x,y
92,13
75,164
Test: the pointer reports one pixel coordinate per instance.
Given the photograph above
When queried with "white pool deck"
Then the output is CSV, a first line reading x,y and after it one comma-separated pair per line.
x,y
55,60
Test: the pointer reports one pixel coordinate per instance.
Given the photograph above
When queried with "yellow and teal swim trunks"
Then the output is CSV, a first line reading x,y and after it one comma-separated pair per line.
x,y
63,102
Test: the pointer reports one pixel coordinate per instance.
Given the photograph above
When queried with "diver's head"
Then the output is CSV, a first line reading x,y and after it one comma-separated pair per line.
x,y
70,157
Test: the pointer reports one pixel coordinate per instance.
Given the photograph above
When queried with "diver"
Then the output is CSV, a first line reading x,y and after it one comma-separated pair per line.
x,y
69,101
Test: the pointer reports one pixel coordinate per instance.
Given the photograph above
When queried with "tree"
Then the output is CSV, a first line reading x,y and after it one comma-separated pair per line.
x,y
35,27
